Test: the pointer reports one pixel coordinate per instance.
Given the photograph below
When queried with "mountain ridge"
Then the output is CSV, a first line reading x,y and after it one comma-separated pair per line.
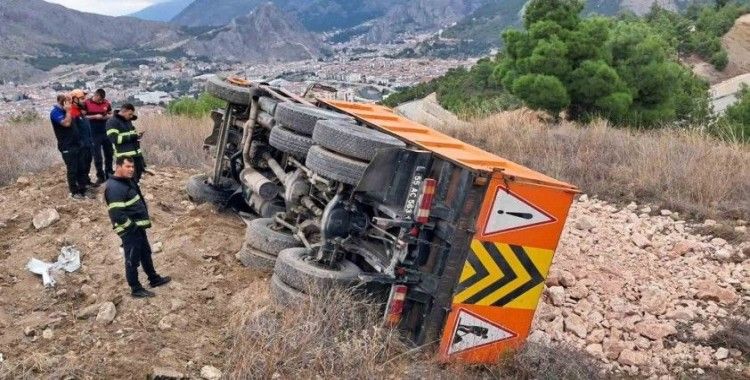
x,y
163,12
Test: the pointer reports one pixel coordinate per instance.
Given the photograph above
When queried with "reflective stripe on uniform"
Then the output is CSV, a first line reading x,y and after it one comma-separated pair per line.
x,y
120,136
143,223
113,132
124,204
119,228
131,153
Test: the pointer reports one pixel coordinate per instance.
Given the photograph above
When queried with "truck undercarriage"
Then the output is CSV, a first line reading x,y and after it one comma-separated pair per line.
x,y
353,196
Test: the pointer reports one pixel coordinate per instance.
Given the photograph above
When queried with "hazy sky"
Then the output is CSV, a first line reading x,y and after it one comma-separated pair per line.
x,y
107,7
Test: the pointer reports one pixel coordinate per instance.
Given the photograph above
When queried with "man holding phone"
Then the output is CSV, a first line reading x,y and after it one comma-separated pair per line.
x,y
98,111
126,139
69,145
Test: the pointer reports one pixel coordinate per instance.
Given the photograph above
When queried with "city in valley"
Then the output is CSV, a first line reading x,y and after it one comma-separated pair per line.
x,y
362,74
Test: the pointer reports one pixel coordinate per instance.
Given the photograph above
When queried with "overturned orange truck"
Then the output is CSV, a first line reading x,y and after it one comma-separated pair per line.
x,y
453,241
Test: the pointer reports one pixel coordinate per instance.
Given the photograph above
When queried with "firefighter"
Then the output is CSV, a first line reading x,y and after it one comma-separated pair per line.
x,y
126,139
130,219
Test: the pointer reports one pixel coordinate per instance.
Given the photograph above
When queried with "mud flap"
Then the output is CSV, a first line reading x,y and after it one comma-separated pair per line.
x,y
518,229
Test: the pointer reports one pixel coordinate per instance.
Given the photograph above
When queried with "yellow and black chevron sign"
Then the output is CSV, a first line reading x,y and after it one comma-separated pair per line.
x,y
497,274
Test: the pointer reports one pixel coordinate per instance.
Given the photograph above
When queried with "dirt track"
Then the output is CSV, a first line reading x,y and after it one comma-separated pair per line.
x,y
183,328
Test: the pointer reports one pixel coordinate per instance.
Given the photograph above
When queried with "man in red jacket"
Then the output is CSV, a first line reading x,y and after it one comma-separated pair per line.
x,y
98,111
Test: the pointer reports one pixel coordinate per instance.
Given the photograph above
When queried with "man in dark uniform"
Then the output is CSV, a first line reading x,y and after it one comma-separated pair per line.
x,y
130,219
126,139
78,110
98,111
69,145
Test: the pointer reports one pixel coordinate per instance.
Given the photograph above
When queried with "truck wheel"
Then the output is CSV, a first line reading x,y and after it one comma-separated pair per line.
x,y
229,92
302,118
284,294
255,259
292,269
199,190
335,166
353,140
262,235
268,104
289,142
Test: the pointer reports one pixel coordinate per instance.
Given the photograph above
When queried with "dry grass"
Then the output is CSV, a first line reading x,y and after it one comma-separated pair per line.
x,y
337,336
679,170
174,140
169,140
27,148
734,334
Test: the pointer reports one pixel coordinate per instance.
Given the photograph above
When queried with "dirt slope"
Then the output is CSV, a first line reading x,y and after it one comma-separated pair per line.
x,y
638,289
737,44
183,328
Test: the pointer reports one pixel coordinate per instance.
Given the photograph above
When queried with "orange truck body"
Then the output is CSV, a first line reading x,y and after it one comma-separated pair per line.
x,y
517,232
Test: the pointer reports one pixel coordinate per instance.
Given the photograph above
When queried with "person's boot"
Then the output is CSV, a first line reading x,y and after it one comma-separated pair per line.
x,y
142,293
160,281
99,181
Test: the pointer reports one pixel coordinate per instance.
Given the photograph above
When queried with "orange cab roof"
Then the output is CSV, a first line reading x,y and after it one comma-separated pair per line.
x,y
449,148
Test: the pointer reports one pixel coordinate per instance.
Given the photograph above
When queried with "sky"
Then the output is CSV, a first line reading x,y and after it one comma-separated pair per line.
x,y
107,7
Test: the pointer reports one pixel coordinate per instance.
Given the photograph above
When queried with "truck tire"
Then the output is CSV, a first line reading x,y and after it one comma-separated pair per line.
x,y
302,118
353,140
229,92
335,166
259,235
284,294
268,104
255,259
289,142
292,269
199,190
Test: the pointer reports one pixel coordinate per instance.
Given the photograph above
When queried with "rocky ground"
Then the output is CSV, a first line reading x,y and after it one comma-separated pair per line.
x,y
640,289
637,288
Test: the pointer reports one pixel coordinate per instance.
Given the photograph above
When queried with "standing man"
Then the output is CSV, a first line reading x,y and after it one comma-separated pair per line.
x,y
98,111
126,139
69,145
129,215
78,109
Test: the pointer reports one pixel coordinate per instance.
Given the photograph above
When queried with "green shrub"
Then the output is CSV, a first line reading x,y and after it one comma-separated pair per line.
x,y
720,60
735,124
195,107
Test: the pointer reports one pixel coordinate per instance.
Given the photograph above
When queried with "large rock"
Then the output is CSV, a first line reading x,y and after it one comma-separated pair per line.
x,y
556,295
210,373
160,373
88,312
585,223
45,218
107,313
630,357
654,300
710,291
576,325
655,330
640,241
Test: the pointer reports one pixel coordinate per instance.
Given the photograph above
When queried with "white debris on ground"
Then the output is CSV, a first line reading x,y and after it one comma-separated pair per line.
x,y
69,260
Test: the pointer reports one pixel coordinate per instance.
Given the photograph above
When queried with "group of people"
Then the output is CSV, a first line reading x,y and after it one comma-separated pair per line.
x,y
88,129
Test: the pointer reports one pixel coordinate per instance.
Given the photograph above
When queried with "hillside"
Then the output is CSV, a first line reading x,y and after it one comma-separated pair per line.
x,y
37,28
162,11
479,32
265,34
213,13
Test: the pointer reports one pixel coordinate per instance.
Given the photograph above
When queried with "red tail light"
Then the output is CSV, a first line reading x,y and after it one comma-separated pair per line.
x,y
395,305
425,203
